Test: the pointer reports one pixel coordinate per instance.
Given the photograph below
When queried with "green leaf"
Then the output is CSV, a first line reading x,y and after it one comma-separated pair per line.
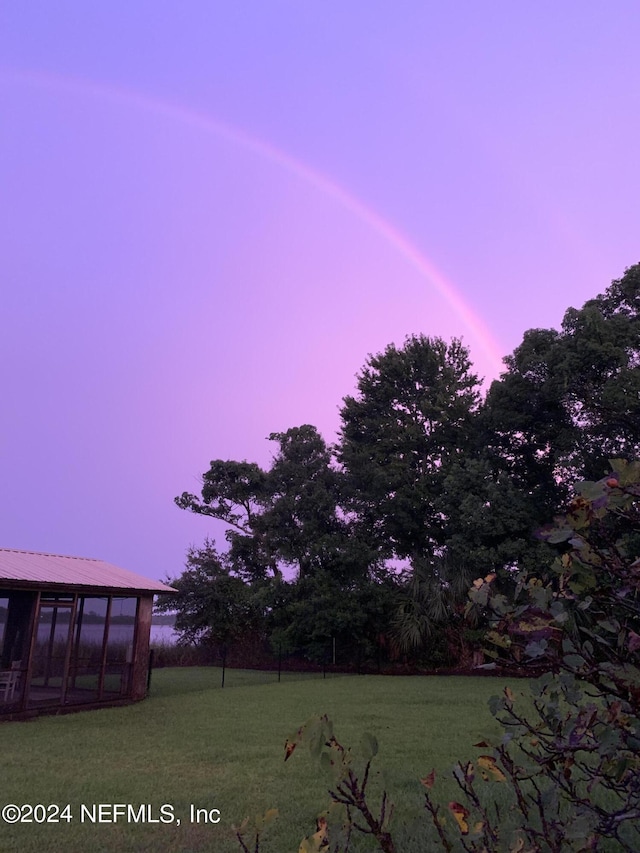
x,y
327,763
559,534
496,703
591,491
368,746
536,648
608,625
263,820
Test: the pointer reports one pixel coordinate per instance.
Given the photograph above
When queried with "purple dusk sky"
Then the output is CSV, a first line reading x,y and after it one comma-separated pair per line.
x,y
212,212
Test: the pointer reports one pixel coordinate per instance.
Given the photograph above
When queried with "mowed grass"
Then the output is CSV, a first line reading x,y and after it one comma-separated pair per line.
x,y
192,744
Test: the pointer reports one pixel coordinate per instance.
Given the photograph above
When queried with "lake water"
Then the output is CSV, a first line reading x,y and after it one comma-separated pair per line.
x,y
163,634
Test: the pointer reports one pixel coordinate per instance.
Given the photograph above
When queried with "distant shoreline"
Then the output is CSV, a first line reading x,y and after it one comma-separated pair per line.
x,y
163,619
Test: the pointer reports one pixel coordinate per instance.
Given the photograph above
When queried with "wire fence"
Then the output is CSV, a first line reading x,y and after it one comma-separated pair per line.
x,y
258,662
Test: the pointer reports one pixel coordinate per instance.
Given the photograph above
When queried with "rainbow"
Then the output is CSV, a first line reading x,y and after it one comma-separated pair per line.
x,y
201,121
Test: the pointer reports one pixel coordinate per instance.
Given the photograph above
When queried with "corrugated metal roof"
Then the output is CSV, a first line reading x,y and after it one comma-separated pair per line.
x,y
59,570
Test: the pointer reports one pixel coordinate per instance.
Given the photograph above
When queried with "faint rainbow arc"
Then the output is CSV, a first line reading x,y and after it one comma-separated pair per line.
x,y
202,121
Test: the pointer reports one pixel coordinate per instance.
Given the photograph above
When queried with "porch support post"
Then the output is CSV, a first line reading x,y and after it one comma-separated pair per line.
x,y
140,663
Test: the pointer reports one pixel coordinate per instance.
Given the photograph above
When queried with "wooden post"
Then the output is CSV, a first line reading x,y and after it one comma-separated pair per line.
x,y
140,665
151,652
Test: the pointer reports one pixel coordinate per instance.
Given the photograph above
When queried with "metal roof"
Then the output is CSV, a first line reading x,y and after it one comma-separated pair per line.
x,y
30,567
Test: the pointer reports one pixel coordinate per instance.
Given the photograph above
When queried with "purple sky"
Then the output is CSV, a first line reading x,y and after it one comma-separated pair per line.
x,y
211,212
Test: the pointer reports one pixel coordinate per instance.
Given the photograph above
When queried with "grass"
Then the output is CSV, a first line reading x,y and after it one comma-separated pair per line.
x,y
191,743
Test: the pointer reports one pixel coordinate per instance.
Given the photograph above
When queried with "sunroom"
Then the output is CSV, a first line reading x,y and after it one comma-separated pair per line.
x,y
74,633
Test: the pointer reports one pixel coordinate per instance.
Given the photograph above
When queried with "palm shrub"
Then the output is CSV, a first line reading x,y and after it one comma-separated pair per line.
x,y
429,621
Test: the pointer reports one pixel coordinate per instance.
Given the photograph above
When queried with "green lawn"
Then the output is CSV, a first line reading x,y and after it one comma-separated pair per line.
x,y
191,743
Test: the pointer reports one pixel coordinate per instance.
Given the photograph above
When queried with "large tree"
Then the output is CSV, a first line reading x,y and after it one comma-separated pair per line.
x,y
236,493
328,619
214,606
492,516
304,523
294,557
570,400
410,421
287,517
599,367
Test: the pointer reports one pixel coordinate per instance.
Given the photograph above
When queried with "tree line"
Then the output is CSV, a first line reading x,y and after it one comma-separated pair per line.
x,y
371,544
